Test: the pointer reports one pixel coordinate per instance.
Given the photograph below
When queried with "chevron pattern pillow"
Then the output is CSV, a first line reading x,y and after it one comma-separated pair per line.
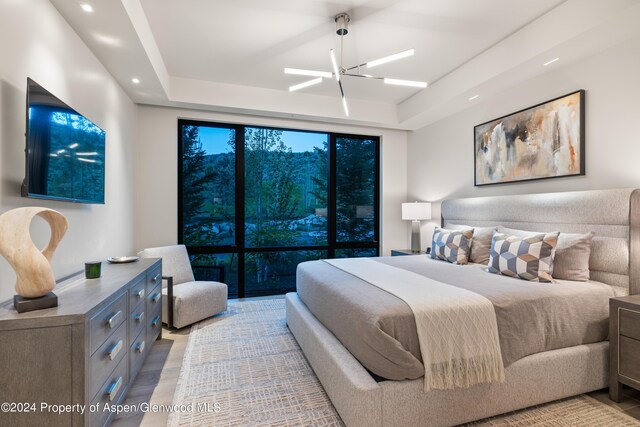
x,y
451,245
527,258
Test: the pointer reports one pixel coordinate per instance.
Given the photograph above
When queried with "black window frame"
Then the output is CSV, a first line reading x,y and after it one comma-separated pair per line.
x,y
239,246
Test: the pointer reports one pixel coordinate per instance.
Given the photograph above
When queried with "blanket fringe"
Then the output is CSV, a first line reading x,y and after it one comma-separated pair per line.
x,y
464,373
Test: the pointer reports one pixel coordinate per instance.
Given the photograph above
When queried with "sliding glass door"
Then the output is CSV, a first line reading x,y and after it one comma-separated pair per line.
x,y
254,202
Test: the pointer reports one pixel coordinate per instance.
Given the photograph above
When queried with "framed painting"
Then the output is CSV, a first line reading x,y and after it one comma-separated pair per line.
x,y
540,142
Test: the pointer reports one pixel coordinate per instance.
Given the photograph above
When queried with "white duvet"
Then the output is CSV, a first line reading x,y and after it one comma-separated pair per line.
x,y
457,328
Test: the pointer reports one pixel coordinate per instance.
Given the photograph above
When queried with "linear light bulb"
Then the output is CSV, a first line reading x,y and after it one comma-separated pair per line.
x,y
305,84
312,73
390,58
334,63
344,105
411,83
86,160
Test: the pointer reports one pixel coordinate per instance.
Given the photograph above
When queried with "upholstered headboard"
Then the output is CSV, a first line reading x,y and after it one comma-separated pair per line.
x,y
613,215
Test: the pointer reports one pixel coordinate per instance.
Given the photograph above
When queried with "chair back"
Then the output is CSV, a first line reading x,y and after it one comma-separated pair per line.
x,y
175,262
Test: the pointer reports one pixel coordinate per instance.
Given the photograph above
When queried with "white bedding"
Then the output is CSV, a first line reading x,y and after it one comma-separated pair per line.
x,y
457,328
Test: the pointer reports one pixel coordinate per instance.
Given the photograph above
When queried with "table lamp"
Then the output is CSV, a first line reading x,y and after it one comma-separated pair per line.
x,y
415,212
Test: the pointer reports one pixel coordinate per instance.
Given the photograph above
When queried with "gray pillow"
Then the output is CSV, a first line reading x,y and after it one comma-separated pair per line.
x,y
481,243
451,245
524,257
572,254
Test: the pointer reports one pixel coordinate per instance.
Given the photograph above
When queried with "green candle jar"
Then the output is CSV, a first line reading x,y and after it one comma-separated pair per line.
x,y
92,269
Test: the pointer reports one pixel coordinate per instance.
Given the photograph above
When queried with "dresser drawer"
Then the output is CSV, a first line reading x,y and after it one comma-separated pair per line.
x,y
137,321
154,300
137,353
154,308
102,325
628,358
111,392
104,361
137,292
629,323
155,324
154,277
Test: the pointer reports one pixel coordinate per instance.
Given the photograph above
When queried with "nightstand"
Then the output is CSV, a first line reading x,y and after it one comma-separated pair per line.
x,y
401,252
624,344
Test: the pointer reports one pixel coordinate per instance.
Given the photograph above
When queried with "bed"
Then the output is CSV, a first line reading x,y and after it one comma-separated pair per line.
x,y
548,365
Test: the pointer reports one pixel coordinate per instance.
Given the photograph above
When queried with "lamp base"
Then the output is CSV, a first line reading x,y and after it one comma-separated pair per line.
x,y
415,236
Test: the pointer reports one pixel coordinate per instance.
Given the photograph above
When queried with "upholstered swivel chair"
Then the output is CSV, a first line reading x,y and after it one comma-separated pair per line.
x,y
185,300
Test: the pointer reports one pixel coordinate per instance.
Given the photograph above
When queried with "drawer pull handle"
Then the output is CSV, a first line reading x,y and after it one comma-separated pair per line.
x,y
141,347
155,297
115,350
140,294
115,319
156,277
112,391
155,321
139,317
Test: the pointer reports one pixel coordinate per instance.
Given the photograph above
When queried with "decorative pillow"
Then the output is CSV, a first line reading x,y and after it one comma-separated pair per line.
x,y
572,253
481,243
528,258
450,245
572,257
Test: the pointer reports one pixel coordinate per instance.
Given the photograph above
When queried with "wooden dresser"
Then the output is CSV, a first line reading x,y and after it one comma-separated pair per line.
x,y
85,352
624,341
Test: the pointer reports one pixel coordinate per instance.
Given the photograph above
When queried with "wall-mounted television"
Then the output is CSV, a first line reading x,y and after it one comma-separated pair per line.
x,y
65,153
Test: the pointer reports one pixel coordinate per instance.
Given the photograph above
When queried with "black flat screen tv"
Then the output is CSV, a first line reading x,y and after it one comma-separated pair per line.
x,y
65,153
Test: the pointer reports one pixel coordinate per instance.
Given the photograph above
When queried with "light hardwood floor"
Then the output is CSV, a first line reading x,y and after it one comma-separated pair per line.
x,y
158,378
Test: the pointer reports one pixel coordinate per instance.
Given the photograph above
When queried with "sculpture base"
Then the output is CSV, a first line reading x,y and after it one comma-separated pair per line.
x,y
23,304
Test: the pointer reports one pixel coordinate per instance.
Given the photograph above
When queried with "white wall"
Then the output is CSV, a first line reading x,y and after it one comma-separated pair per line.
x,y
156,172
440,156
36,42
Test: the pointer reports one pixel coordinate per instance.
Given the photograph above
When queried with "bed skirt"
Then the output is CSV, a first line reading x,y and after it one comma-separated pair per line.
x,y
361,401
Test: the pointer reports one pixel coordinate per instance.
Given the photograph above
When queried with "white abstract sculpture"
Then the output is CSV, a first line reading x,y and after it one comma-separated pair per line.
x,y
34,276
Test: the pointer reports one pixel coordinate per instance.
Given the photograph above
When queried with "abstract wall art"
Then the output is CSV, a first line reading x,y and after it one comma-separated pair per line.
x,y
543,141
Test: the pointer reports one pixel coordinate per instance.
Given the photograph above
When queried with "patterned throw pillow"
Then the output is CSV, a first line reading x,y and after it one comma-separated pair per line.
x,y
450,245
528,258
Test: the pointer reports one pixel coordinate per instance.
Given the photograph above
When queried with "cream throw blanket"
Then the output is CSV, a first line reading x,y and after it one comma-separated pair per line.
x,y
457,328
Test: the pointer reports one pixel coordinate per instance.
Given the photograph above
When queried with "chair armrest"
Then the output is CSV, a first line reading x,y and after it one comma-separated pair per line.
x,y
169,280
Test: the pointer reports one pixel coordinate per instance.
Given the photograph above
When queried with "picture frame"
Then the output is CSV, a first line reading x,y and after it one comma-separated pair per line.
x,y
543,141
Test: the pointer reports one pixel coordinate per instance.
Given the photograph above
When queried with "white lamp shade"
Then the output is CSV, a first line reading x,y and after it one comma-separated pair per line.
x,y
416,211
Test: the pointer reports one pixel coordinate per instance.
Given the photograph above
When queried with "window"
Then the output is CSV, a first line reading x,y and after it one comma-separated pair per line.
x,y
254,202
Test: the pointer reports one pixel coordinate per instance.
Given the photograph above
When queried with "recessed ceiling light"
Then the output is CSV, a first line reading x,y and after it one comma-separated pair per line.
x,y
135,80
550,62
87,8
474,97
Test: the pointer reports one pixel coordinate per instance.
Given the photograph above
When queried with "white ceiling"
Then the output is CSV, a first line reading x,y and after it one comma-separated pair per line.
x,y
249,42
229,55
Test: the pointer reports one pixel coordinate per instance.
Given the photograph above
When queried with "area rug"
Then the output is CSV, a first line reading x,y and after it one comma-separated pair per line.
x,y
576,411
244,368
247,364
